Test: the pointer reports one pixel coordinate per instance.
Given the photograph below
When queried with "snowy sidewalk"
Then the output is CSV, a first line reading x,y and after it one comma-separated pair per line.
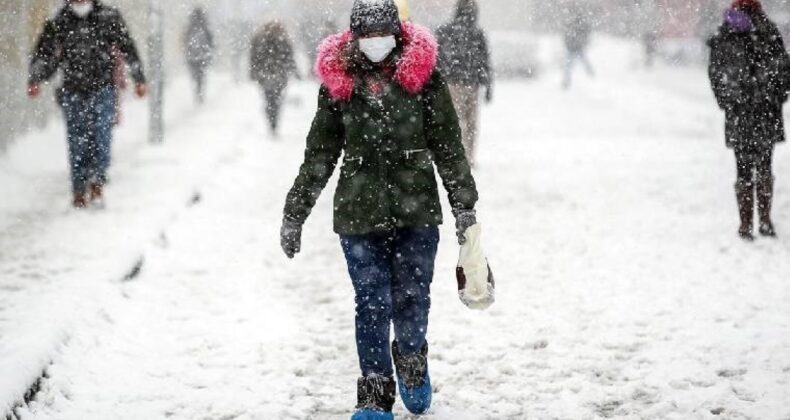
x,y
609,217
57,264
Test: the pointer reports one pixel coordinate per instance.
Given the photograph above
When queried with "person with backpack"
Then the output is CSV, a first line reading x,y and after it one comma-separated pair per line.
x,y
386,109
465,62
750,76
199,49
80,41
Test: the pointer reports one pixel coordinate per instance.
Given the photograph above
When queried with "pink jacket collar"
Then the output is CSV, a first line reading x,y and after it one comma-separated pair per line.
x,y
412,73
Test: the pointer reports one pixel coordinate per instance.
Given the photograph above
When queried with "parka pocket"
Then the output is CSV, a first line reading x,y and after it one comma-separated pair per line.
x,y
351,166
418,159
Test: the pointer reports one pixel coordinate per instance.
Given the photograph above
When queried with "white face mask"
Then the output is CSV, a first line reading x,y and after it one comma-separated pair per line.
x,y
377,49
82,9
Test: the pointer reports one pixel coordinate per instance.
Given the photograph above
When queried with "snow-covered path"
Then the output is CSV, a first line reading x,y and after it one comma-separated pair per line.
x,y
624,291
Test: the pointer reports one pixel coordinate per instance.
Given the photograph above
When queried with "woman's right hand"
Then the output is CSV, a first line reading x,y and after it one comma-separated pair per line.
x,y
291,238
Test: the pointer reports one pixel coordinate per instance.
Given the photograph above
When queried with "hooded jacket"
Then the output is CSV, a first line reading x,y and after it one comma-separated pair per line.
x,y
83,48
464,57
390,142
750,75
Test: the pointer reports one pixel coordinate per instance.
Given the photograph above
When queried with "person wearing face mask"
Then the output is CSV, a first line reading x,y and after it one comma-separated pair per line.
x,y
386,109
84,40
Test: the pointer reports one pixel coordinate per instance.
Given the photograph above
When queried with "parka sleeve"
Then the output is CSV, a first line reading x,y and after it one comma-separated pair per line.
x,y
724,85
46,57
324,147
444,139
123,40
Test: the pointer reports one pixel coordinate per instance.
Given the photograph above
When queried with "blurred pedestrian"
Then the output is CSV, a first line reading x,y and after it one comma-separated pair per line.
x,y
578,31
404,11
464,61
385,108
79,40
199,49
750,75
272,64
120,82
647,18
315,32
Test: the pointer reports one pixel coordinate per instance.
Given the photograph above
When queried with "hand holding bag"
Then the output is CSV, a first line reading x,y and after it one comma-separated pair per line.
x,y
475,279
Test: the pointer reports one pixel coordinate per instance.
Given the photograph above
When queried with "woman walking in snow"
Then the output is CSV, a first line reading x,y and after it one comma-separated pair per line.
x,y
750,74
383,105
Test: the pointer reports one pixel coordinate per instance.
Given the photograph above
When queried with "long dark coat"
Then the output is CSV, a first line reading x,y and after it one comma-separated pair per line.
x,y
83,48
750,77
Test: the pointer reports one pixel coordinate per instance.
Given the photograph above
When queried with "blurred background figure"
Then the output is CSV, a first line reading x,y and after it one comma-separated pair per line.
x,y
79,40
239,34
578,30
120,82
313,34
404,11
272,64
464,61
647,22
750,75
199,49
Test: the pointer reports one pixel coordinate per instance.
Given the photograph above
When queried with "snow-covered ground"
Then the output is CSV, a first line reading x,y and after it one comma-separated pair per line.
x,y
624,291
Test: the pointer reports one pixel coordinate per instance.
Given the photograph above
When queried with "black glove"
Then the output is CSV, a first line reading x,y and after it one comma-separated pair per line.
x,y
464,219
291,238
489,94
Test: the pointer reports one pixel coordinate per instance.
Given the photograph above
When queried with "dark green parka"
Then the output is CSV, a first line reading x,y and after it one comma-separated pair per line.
x,y
390,143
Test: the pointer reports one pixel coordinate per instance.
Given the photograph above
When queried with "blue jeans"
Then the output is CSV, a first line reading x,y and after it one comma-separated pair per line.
x,y
392,274
89,121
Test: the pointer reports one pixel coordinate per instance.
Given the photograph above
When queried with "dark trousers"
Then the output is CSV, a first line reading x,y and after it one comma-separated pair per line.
x,y
392,274
89,122
754,163
273,92
198,72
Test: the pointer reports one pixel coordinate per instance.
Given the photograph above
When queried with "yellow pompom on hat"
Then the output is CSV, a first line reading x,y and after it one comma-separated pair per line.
x,y
403,9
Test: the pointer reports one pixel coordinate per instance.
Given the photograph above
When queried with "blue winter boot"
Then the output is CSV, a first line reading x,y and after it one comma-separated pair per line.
x,y
414,382
375,398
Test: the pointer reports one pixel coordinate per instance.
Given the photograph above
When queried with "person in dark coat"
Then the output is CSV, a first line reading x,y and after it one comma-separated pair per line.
x,y
750,76
385,108
272,64
578,31
465,62
199,49
80,41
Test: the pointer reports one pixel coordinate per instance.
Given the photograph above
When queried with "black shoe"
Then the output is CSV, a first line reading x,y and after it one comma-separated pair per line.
x,y
767,229
745,194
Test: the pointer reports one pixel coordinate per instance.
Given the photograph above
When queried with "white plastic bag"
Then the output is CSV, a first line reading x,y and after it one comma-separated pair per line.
x,y
475,279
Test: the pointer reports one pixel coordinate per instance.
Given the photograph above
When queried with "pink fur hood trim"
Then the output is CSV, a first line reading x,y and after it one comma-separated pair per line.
x,y
413,71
